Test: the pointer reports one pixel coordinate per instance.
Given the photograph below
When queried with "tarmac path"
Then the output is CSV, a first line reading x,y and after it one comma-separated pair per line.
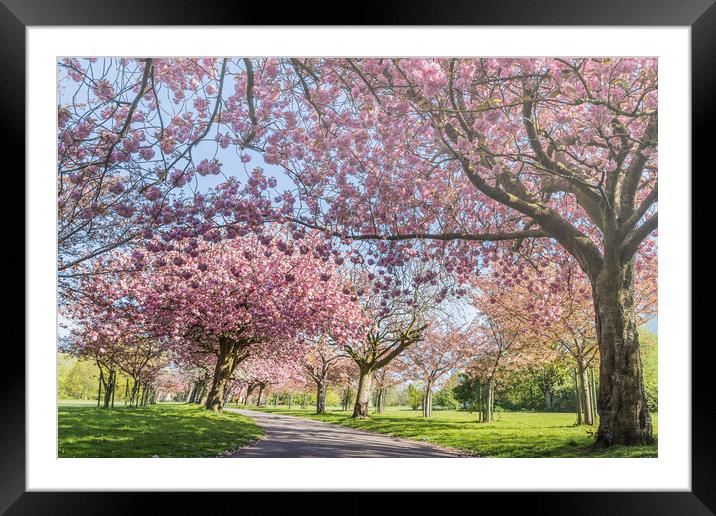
x,y
290,436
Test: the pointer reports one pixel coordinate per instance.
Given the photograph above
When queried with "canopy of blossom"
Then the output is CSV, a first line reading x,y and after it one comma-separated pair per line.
x,y
551,300
270,371
447,150
443,350
259,291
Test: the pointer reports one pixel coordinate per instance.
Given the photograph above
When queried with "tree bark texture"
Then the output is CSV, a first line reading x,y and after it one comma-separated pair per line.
x,y
363,395
623,411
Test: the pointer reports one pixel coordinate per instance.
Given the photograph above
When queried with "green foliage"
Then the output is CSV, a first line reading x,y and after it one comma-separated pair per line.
x,y
76,378
333,397
415,396
444,398
527,389
467,392
166,430
515,434
649,345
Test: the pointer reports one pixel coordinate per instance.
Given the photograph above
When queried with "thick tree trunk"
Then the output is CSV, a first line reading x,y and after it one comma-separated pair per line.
x,y
363,395
225,363
194,391
623,412
261,391
201,392
548,399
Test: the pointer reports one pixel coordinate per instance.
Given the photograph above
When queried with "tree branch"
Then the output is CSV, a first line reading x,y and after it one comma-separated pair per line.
x,y
632,221
636,237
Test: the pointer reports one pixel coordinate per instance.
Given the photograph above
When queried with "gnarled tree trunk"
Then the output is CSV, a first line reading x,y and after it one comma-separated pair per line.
x,y
363,395
225,364
623,412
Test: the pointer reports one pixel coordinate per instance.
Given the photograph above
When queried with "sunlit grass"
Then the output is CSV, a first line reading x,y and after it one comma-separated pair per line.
x,y
166,430
513,434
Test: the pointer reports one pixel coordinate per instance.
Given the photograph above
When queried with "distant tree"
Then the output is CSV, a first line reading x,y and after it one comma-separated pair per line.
x,y
383,380
443,350
445,397
468,392
393,324
415,396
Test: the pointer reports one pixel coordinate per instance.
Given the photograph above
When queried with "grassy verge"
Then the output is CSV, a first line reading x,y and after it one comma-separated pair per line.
x,y
166,430
514,434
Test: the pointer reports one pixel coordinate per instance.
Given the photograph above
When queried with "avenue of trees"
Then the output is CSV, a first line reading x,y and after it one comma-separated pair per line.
x,y
391,193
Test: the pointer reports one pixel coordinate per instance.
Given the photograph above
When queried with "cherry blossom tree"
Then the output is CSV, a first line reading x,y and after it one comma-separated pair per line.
x,y
324,363
262,372
109,325
383,379
170,384
554,305
397,307
231,300
246,297
500,344
443,350
128,131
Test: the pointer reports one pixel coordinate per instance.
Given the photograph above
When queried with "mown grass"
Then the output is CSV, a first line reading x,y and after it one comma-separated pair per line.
x,y
513,434
166,430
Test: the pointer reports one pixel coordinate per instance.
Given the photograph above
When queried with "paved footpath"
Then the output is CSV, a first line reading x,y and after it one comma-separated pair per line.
x,y
289,436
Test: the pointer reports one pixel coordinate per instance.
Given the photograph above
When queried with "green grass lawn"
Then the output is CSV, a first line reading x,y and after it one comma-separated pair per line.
x,y
166,430
513,434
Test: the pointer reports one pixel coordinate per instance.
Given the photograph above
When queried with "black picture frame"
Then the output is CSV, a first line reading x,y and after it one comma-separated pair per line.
x,y
17,15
